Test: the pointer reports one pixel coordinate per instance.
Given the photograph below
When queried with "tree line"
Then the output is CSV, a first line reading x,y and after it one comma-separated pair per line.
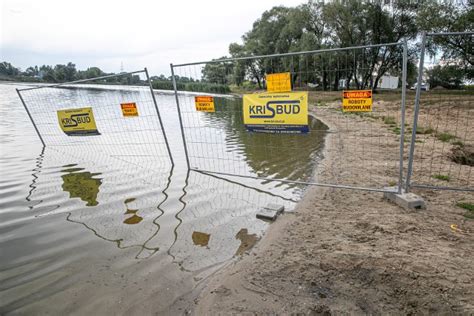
x,y
68,72
318,25
60,73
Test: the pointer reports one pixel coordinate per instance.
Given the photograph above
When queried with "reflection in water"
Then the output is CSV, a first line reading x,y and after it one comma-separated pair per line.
x,y
247,241
201,239
36,171
109,195
81,185
217,207
134,219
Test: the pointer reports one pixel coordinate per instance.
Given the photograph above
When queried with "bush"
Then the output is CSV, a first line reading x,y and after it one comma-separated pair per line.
x,y
445,137
441,177
166,85
191,86
207,87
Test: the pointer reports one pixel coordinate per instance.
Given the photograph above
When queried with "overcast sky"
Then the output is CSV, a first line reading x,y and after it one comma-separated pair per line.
x,y
138,33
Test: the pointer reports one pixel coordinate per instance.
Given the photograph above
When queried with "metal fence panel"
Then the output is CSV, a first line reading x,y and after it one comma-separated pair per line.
x,y
442,143
218,142
130,139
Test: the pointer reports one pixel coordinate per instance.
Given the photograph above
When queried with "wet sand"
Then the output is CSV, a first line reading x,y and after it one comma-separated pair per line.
x,y
345,251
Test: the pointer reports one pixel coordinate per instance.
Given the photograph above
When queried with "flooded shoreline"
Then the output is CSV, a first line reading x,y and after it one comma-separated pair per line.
x,y
94,230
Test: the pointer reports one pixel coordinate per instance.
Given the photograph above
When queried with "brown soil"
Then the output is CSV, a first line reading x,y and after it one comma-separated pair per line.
x,y
346,251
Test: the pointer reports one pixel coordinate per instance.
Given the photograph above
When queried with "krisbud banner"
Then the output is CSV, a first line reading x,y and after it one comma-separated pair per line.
x,y
276,112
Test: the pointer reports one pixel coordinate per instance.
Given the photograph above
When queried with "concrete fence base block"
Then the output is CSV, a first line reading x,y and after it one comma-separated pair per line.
x,y
405,200
270,212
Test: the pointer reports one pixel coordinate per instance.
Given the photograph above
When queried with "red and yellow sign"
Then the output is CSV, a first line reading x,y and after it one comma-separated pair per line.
x,y
129,109
279,82
357,101
204,103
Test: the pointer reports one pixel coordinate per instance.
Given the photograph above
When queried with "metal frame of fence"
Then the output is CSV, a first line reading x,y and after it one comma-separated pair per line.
x,y
409,182
403,62
22,92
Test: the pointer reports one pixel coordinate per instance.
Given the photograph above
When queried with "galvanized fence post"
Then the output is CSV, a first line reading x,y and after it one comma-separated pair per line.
x,y
402,128
417,109
159,117
180,116
31,119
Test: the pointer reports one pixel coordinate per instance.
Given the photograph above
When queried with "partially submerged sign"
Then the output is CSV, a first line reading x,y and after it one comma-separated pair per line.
x,y
276,112
129,109
357,101
77,122
204,103
279,82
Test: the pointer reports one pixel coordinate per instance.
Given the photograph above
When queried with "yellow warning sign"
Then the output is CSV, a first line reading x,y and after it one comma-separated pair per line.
x,y
357,101
77,122
276,112
129,109
204,103
279,82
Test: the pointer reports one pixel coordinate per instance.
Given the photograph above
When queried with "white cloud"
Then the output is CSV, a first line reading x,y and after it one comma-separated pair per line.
x,y
138,33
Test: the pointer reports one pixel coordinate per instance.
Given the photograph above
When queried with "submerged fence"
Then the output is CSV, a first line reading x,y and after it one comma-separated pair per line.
x,y
442,143
360,155
121,120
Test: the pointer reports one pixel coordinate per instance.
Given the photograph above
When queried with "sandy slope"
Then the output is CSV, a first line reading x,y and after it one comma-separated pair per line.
x,y
345,251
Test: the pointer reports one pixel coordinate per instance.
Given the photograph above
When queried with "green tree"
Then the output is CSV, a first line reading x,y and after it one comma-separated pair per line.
x,y
218,72
8,69
449,17
47,73
91,72
448,76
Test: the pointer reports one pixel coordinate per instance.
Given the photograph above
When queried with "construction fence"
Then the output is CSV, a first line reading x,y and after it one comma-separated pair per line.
x,y
442,143
121,121
335,143
360,155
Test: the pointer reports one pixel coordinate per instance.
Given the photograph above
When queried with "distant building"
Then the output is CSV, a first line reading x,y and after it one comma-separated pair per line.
x,y
388,82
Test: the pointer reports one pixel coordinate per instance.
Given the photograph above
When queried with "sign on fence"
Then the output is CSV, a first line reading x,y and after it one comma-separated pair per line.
x,y
77,122
279,82
204,103
276,112
357,101
129,109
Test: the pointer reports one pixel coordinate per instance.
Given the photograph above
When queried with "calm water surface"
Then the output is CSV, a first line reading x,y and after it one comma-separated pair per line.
x,y
106,224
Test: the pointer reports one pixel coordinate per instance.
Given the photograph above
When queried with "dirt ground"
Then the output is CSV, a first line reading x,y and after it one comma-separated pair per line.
x,y
352,252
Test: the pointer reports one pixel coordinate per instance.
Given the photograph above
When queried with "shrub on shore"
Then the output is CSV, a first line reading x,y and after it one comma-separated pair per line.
x,y
191,86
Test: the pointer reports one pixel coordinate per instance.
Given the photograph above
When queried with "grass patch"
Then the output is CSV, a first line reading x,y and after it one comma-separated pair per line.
x,y
445,137
396,130
389,120
458,143
424,130
441,177
469,207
